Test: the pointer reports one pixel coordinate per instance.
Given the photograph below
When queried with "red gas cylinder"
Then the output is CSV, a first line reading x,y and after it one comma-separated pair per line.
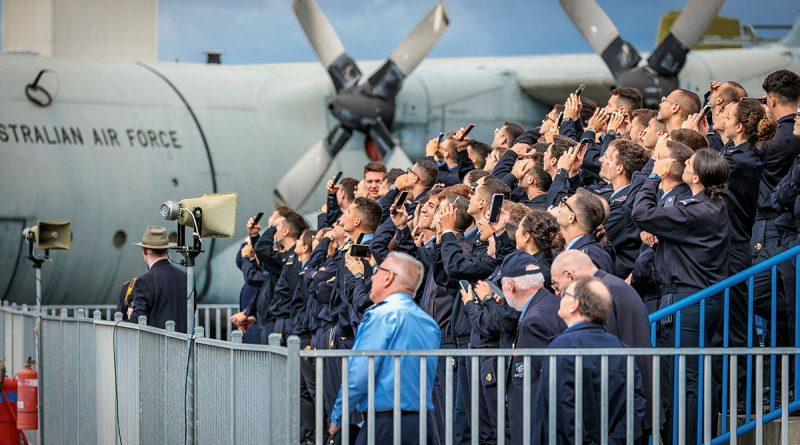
x,y
28,398
8,412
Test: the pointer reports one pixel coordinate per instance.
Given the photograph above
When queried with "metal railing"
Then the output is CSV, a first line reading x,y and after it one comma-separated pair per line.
x,y
212,317
752,420
106,382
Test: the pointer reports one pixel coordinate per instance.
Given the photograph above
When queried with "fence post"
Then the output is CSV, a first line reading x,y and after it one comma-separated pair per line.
x,y
293,387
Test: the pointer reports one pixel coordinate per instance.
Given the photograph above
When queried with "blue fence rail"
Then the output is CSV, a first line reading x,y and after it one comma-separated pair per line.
x,y
704,313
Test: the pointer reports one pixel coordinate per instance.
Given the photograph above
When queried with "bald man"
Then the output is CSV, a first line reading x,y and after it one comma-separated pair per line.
x,y
675,108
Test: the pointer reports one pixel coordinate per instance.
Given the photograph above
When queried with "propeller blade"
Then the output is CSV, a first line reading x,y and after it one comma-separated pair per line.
x,y
305,175
600,32
670,56
393,155
386,81
343,70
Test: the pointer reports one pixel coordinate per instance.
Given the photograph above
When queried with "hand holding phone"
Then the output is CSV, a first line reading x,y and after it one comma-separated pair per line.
x,y
465,132
580,89
497,204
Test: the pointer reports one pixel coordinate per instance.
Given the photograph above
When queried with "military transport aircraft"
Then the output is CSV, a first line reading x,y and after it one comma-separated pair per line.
x,y
103,144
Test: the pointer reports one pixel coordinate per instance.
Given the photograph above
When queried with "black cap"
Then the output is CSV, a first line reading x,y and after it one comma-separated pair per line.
x,y
518,264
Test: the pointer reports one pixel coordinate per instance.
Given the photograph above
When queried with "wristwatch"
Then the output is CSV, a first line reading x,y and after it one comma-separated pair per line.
x,y
359,275
562,171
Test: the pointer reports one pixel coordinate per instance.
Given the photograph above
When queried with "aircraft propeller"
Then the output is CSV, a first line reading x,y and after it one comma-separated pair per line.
x,y
660,75
367,107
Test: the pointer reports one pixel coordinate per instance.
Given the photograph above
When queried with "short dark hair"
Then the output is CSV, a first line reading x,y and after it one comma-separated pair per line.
x,y
542,178
757,125
587,109
297,225
642,116
591,304
588,210
740,90
784,84
631,97
692,138
560,146
689,101
712,169
427,172
680,152
284,210
558,108
463,219
492,185
481,150
730,94
513,131
543,228
348,187
370,212
374,166
631,156
393,174
476,174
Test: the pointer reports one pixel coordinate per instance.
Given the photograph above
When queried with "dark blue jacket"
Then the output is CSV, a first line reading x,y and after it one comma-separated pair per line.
x,y
537,326
786,199
777,156
741,196
623,233
160,294
587,336
600,257
693,239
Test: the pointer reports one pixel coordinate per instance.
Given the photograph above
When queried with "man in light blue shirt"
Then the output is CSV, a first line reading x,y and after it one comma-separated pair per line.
x,y
395,322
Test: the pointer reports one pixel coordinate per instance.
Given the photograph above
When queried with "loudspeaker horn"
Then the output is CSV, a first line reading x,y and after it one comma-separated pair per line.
x,y
219,214
52,235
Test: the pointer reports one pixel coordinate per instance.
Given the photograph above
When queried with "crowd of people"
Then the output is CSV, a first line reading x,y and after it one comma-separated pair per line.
x,y
609,213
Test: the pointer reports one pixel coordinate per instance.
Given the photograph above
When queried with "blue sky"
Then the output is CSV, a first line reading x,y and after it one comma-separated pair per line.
x,y
265,31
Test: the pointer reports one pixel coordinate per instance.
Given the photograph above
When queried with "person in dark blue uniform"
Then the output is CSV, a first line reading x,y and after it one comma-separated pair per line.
x,y
254,277
671,189
745,123
538,235
620,161
584,307
523,286
160,293
578,218
782,97
693,238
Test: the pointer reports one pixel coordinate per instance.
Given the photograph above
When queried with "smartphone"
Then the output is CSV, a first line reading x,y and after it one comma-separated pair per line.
x,y
497,204
257,218
706,110
337,178
559,119
464,285
359,250
580,89
441,137
496,290
467,130
761,100
401,198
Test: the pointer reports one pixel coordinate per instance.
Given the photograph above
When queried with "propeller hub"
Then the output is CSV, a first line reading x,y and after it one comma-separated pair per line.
x,y
652,85
356,109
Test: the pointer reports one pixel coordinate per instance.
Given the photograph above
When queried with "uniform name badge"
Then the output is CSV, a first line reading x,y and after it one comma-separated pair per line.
x,y
519,370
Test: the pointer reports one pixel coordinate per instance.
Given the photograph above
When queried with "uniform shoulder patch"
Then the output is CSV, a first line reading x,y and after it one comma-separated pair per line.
x,y
686,202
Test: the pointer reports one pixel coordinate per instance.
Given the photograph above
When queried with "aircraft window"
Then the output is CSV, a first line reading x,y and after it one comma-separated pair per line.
x,y
173,237
174,182
119,238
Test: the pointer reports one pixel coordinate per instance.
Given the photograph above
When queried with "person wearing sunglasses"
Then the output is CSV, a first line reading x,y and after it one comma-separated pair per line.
x,y
578,217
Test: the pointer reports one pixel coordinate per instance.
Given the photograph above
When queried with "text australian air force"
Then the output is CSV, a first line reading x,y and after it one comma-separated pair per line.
x,y
100,137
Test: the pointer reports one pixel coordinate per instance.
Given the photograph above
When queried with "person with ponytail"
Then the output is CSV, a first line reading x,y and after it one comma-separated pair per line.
x,y
691,254
538,235
745,124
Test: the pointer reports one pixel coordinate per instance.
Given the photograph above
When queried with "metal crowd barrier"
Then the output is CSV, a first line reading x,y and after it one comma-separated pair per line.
x,y
107,382
755,365
212,317
104,382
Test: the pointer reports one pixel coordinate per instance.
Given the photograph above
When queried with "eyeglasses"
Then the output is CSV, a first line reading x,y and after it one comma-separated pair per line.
x,y
664,99
548,118
377,268
564,203
564,293
412,171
